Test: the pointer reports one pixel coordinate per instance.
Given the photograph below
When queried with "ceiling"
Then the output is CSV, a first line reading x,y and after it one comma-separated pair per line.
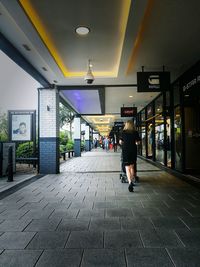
x,y
124,36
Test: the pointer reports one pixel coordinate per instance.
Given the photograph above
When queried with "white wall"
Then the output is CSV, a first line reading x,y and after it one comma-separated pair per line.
x,y
18,90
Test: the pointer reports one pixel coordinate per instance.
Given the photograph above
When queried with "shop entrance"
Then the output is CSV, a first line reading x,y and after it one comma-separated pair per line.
x,y
192,131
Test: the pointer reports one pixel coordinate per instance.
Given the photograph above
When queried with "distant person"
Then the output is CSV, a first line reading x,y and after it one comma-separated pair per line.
x,y
95,143
128,140
21,130
115,142
106,143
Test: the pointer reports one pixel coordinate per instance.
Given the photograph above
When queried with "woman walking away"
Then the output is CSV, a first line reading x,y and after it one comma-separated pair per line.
x,y
128,141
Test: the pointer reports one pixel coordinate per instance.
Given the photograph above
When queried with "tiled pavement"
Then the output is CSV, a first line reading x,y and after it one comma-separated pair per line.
x,y
86,217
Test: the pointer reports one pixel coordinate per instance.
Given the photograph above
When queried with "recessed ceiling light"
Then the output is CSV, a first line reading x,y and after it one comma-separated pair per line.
x,y
26,47
130,96
82,30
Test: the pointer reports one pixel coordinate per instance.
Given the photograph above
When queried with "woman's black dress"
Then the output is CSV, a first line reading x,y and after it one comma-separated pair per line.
x,y
129,147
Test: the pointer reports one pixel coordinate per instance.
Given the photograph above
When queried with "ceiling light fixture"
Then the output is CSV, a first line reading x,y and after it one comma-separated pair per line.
x,y
130,96
89,78
82,30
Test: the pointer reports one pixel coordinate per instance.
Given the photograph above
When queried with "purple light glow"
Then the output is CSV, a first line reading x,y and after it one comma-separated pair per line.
x,y
84,101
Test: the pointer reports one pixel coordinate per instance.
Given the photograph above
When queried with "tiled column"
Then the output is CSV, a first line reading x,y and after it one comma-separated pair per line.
x,y
49,131
87,138
77,136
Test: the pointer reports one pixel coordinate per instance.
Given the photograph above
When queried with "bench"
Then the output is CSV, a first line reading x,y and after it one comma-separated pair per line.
x,y
70,153
32,160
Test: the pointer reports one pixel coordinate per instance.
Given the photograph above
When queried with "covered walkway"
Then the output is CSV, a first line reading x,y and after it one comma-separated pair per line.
x,y
85,216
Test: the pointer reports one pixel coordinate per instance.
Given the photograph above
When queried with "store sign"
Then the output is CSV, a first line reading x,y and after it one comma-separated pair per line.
x,y
153,81
128,112
191,78
191,83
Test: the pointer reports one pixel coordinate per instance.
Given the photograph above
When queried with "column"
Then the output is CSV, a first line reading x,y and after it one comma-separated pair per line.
x,y
48,107
77,136
87,138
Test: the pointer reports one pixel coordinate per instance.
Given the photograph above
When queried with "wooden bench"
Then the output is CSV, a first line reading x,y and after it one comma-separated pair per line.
x,y
70,153
29,161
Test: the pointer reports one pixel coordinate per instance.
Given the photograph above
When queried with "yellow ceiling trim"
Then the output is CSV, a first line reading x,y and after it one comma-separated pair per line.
x,y
46,38
36,21
139,37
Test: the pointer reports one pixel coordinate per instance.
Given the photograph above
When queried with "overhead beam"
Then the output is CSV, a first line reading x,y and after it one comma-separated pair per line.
x,y
21,61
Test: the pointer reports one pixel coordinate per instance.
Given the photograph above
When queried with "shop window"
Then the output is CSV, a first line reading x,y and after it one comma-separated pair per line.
x,y
178,139
143,133
168,129
159,130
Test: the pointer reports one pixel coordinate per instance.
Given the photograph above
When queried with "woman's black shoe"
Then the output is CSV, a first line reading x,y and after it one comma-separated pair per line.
x,y
130,187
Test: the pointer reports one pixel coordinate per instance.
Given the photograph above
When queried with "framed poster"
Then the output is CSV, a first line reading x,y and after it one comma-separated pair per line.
x,y
21,126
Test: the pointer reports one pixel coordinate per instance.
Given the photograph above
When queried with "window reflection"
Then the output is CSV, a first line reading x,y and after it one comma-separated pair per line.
x,y
177,135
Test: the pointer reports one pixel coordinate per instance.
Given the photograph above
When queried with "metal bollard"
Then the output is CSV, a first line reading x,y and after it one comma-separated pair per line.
x,y
10,164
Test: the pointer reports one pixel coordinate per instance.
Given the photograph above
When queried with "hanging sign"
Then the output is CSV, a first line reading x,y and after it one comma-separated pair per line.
x,y
153,81
128,112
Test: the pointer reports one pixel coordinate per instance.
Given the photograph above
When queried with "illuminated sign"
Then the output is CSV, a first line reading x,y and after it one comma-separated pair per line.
x,y
128,111
153,81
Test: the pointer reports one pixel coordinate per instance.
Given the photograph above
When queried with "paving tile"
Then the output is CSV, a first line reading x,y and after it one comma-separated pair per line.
x,y
85,239
42,225
14,225
122,239
48,240
19,258
106,224
60,258
119,212
136,223
167,223
81,205
15,240
185,257
146,257
190,238
64,214
160,238
146,212
88,213
103,258
104,204
73,225
191,222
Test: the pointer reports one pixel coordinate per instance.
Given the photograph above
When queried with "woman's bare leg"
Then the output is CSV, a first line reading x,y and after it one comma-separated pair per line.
x,y
128,173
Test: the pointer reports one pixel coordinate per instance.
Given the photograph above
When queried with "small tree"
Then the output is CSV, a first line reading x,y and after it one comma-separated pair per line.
x,y
66,116
3,127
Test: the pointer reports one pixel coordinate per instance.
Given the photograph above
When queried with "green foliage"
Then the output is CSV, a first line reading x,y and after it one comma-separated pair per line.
x,y
70,144
63,138
66,115
82,145
3,127
62,148
25,150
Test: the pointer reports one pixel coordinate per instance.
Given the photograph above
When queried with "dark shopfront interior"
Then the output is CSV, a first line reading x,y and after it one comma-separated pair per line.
x,y
170,125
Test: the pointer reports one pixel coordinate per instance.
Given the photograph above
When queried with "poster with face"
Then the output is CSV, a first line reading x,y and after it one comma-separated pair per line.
x,y
21,127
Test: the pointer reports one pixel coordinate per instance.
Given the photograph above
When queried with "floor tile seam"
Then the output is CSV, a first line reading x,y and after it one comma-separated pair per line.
x,y
179,238
184,223
69,235
82,255
168,253
125,257
42,252
23,230
30,240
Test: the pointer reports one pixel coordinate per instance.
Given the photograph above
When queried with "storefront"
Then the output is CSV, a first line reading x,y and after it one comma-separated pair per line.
x,y
170,125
